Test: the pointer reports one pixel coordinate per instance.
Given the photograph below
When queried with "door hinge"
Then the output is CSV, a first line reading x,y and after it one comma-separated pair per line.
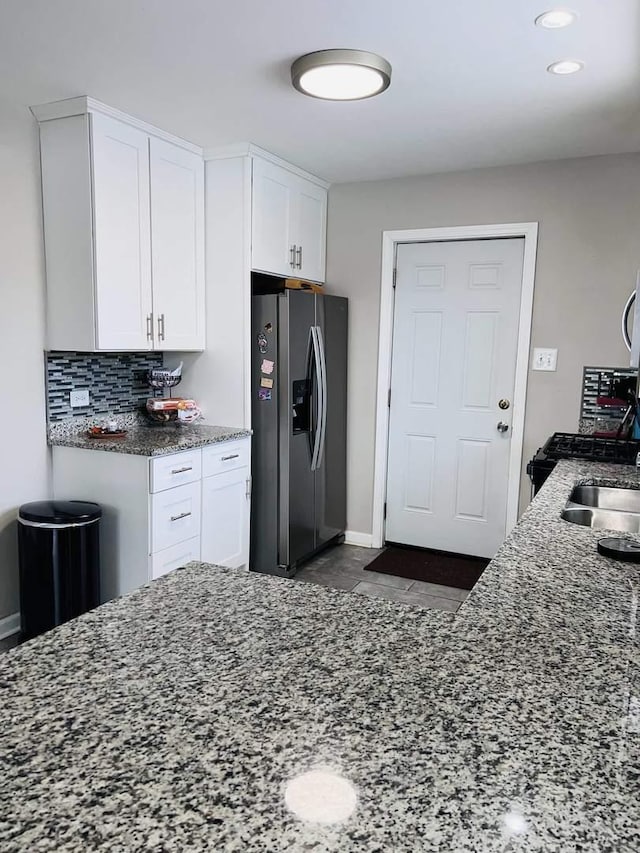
x,y
395,276
389,398
247,493
384,511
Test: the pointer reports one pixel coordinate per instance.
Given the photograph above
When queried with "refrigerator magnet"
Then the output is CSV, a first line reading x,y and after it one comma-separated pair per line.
x,y
266,383
267,366
263,343
264,393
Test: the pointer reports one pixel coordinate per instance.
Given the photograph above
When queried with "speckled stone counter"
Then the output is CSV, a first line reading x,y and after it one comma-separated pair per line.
x,y
175,719
151,440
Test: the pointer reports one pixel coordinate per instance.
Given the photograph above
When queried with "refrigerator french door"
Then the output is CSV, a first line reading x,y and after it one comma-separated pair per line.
x,y
299,421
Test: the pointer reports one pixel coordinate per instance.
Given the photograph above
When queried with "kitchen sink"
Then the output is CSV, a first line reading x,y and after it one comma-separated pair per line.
x,y
607,498
602,519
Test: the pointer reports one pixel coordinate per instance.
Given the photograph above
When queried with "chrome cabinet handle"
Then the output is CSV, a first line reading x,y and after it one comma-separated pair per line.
x,y
227,458
149,327
181,470
247,492
182,515
299,254
502,427
161,327
292,258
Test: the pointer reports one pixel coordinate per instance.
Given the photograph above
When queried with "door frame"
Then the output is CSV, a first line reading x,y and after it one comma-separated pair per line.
x,y
390,241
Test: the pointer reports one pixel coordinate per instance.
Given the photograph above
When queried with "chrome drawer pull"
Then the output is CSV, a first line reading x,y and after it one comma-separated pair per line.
x,y
182,515
182,470
227,458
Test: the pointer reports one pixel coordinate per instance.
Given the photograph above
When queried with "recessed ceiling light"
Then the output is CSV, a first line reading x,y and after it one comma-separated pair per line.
x,y
341,75
555,19
565,66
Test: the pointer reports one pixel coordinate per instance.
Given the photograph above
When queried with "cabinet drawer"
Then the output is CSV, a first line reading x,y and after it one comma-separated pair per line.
x,y
225,456
175,516
175,470
175,557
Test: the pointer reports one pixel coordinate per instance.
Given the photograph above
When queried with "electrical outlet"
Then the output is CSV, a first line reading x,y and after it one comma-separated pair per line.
x,y
544,359
79,398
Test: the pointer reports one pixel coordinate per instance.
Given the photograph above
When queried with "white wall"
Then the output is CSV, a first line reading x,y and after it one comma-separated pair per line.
x,y
216,377
588,254
24,458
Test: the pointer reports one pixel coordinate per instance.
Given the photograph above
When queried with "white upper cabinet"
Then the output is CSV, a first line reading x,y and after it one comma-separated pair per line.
x,y
289,223
311,241
124,232
122,242
272,219
177,246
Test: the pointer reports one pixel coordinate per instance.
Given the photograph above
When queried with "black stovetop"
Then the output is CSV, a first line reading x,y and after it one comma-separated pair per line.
x,y
569,445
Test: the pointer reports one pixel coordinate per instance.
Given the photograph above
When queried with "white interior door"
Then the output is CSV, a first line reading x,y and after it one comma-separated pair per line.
x,y
177,241
455,337
120,161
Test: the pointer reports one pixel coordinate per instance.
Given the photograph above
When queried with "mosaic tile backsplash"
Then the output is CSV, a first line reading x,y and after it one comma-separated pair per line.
x,y
115,380
598,386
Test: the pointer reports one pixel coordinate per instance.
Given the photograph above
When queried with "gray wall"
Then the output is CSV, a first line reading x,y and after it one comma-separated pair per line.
x,y
24,461
588,253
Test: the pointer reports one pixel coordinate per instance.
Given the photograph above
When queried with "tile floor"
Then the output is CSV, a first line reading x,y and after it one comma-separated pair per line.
x,y
343,567
8,642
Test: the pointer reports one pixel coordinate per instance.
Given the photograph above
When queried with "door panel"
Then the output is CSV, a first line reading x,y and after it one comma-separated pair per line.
x,y
297,316
330,485
225,516
455,339
120,160
177,231
311,229
272,218
418,493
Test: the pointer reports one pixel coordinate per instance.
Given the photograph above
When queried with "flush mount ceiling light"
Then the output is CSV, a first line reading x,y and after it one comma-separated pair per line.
x,y
555,19
565,66
341,75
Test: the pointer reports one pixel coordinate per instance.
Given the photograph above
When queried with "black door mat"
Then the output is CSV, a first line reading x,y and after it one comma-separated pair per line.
x,y
420,564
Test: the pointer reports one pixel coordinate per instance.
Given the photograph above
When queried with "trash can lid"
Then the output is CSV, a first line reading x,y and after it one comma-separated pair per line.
x,y
60,512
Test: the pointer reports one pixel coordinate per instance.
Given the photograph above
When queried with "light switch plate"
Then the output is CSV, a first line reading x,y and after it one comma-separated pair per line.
x,y
544,359
79,398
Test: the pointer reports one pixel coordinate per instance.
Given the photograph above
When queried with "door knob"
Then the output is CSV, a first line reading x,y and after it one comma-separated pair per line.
x,y
502,427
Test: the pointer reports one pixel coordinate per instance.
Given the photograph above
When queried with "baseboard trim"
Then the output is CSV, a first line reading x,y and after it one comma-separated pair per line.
x,y
364,540
9,625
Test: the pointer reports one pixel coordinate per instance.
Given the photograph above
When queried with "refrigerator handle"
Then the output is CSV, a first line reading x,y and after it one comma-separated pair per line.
x,y
319,388
311,383
323,382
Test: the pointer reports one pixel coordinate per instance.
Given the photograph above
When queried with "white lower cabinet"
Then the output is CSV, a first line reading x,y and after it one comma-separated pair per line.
x,y
225,518
160,513
175,557
175,516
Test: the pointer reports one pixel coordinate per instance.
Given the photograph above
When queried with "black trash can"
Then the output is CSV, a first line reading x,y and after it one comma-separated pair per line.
x,y
59,549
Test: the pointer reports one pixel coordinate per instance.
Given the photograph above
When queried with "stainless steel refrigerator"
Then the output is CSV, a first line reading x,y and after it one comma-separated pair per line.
x,y
299,420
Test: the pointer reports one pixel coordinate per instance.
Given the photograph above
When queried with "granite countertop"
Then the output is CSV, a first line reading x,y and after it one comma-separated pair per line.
x,y
176,718
153,440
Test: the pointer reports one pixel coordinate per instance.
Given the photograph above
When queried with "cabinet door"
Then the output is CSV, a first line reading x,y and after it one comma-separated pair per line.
x,y
311,235
177,241
225,518
175,557
273,215
122,241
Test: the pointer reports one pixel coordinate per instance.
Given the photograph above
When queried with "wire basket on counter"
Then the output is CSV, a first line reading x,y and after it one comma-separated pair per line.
x,y
159,378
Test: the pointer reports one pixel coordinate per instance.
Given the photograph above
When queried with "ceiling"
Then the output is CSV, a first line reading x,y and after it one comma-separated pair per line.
x,y
469,85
